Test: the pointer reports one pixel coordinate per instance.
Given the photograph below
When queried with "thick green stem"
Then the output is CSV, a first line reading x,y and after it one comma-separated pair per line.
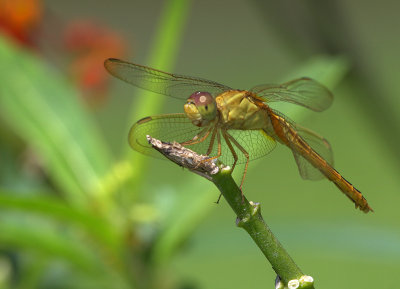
x,y
250,219
248,213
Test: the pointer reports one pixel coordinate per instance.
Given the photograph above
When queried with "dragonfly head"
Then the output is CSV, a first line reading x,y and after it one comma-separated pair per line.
x,y
201,108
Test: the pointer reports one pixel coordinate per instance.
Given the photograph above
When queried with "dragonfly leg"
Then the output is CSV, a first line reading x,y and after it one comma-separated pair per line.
x,y
246,154
212,140
219,198
206,133
229,144
219,152
196,140
227,138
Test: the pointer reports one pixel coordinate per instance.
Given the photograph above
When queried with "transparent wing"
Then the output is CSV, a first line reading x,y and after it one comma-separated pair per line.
x,y
317,143
174,85
255,142
302,91
168,127
177,127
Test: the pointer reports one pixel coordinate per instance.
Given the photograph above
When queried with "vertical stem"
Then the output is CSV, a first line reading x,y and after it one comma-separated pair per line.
x,y
248,214
162,56
164,51
249,217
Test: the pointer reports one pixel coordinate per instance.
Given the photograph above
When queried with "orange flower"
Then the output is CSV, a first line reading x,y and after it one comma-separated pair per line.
x,y
90,44
19,19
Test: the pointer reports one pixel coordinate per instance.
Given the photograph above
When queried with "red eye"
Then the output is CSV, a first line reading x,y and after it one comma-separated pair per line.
x,y
201,98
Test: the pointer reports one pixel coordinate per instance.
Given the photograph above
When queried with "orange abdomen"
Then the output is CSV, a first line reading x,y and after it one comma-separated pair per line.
x,y
291,139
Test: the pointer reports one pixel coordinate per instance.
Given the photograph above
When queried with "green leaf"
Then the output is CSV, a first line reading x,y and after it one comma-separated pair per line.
x,y
19,233
45,111
45,240
169,34
50,229
98,228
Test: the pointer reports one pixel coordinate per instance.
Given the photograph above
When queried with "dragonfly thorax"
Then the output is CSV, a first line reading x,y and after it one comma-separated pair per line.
x,y
201,108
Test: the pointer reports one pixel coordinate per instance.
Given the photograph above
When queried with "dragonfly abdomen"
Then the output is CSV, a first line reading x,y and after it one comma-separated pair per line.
x,y
333,175
288,136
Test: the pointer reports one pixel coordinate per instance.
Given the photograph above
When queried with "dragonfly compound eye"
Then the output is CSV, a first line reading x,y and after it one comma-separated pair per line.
x,y
205,103
201,108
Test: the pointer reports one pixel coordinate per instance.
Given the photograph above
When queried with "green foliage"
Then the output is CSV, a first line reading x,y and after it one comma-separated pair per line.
x,y
43,109
82,223
76,228
85,227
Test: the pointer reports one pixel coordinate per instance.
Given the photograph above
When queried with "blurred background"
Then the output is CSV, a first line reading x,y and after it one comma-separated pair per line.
x,y
80,209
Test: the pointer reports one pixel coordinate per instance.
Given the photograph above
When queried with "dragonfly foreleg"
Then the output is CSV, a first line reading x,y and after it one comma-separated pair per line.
x,y
209,150
227,138
246,154
195,140
210,147
219,148
229,144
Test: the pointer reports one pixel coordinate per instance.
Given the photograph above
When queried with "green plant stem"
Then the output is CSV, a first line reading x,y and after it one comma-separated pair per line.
x,y
162,55
248,214
249,218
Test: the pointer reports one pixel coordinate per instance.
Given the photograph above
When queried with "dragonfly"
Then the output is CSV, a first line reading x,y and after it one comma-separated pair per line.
x,y
233,125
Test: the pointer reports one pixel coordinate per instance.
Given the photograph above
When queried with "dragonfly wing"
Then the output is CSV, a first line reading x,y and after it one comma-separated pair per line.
x,y
256,142
168,127
302,91
306,170
174,85
319,145
177,127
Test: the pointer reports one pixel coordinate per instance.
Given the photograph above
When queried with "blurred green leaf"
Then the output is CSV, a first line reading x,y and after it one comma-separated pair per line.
x,y
193,202
58,244
20,234
52,230
32,273
45,111
95,225
162,56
